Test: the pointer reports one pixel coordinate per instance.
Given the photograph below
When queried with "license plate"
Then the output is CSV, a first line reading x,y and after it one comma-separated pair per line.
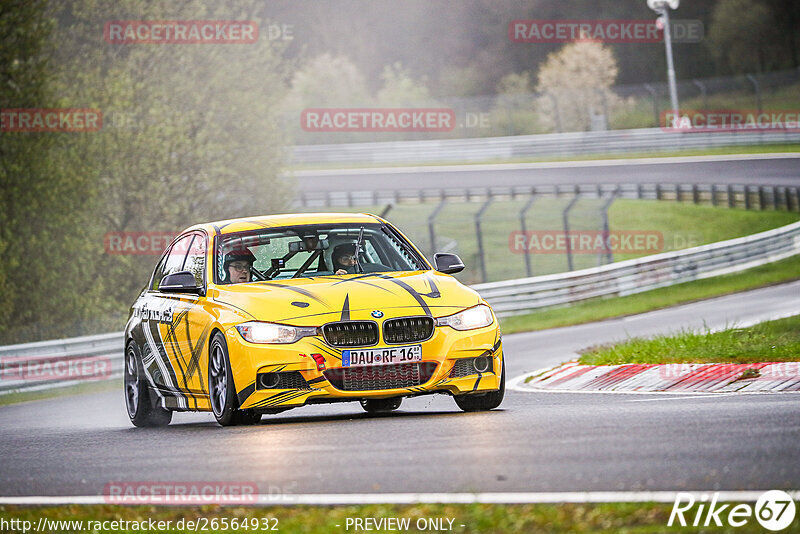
x,y
381,356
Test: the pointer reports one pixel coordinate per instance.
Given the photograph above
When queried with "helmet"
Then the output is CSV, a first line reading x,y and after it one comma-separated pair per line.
x,y
345,249
241,254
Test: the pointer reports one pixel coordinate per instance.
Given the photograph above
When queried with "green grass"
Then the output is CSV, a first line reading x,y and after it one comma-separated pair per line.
x,y
633,518
719,151
772,341
85,387
599,309
682,225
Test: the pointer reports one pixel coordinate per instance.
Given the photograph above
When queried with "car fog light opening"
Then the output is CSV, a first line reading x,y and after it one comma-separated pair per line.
x,y
481,364
268,380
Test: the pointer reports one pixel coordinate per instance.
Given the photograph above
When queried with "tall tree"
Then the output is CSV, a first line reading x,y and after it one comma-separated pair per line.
x,y
190,135
579,78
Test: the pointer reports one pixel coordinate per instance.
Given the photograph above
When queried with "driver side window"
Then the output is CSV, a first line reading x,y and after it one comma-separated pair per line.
x,y
196,259
172,261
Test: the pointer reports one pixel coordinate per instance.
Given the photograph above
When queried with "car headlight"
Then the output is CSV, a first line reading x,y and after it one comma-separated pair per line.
x,y
469,319
258,332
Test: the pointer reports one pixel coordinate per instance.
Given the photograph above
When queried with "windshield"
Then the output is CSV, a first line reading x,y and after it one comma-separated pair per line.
x,y
312,250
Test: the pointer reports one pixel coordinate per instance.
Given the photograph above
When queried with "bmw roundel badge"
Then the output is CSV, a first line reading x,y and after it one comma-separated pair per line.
x,y
377,314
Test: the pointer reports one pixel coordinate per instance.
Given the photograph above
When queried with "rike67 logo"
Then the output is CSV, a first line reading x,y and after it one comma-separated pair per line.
x,y
774,510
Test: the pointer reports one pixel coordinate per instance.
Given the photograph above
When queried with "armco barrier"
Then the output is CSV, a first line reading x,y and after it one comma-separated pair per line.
x,y
525,146
650,272
508,297
32,358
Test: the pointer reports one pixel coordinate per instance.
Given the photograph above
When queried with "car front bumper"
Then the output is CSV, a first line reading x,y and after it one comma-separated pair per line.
x,y
441,355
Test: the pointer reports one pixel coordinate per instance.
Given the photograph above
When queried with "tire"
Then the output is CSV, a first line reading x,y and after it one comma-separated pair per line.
x,y
487,401
376,406
142,411
221,388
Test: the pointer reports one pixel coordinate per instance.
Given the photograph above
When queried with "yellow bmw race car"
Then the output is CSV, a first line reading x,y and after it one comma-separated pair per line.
x,y
252,316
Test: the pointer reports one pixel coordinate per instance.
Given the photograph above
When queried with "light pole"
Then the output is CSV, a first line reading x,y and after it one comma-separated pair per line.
x,y
662,7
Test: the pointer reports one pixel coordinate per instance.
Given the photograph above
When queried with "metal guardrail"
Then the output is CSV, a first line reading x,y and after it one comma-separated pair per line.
x,y
60,362
507,298
523,146
512,297
747,196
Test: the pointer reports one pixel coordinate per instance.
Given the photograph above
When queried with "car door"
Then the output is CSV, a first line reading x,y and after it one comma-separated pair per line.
x,y
157,311
191,323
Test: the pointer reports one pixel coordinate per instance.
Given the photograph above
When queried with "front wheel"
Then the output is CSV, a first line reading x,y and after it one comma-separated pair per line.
x,y
142,411
222,390
375,406
487,401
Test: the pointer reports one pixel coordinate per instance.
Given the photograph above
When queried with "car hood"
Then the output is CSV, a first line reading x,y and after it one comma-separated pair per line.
x,y
315,301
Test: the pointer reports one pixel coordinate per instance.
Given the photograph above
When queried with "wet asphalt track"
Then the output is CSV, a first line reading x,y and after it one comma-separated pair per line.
x,y
534,442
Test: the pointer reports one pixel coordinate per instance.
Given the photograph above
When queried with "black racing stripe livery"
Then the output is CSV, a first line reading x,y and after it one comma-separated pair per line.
x,y
317,380
346,308
356,278
272,398
161,353
434,292
285,319
411,291
245,393
197,353
296,317
478,381
172,337
281,398
360,280
441,381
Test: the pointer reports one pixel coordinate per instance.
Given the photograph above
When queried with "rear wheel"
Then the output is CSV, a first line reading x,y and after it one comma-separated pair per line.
x,y
142,411
374,406
487,401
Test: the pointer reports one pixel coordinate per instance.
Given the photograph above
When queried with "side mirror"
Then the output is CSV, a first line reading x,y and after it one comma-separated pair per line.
x,y
181,282
447,263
